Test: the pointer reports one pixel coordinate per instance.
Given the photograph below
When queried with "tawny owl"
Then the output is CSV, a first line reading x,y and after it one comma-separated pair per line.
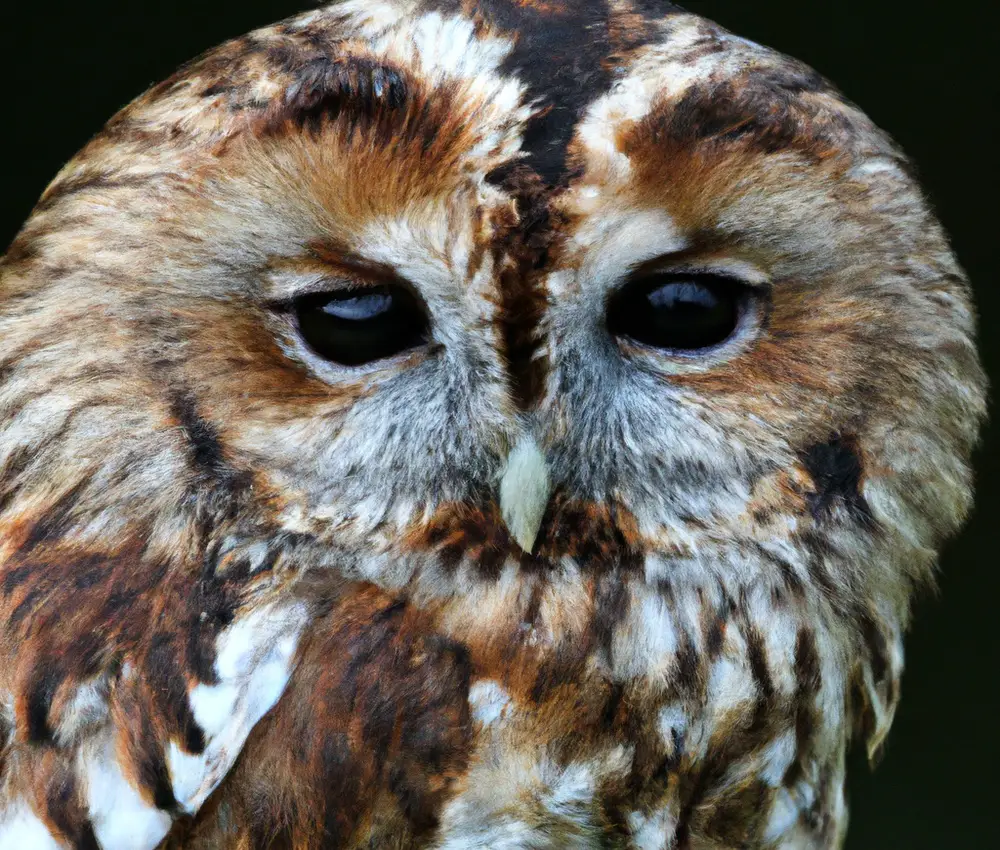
x,y
470,424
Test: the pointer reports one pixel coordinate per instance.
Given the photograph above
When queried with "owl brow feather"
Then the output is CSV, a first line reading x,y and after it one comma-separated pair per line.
x,y
368,94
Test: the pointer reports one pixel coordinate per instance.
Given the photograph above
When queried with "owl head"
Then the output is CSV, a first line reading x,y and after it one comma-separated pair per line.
x,y
336,279
490,302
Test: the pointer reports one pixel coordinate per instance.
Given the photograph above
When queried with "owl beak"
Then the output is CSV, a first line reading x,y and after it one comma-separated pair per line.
x,y
524,492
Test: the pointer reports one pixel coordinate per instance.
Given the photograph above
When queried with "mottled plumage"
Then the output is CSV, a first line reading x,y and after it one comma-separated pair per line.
x,y
529,582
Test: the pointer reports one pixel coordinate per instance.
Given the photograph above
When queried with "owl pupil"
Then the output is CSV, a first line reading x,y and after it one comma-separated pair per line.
x,y
357,327
677,312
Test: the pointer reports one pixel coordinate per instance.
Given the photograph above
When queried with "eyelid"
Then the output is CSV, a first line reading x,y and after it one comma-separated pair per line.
x,y
739,271
287,279
282,285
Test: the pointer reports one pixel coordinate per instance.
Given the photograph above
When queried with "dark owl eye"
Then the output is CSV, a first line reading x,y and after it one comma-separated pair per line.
x,y
679,312
362,325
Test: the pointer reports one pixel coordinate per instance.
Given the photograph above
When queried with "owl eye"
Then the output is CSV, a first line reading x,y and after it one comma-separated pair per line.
x,y
355,327
678,312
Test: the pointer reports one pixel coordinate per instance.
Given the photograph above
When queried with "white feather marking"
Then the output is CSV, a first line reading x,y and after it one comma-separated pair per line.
x,y
614,241
629,100
673,721
783,817
446,48
729,685
877,165
20,829
777,758
449,47
571,790
645,647
187,772
368,18
121,818
8,716
488,700
654,831
254,663
213,706
525,800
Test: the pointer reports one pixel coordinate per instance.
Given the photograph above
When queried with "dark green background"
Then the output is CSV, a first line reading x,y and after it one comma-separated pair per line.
x,y
928,73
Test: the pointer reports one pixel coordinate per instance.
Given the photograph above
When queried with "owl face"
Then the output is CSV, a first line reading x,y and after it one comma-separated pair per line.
x,y
571,322
359,277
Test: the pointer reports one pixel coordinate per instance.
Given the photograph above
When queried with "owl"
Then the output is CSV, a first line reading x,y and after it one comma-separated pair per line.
x,y
471,424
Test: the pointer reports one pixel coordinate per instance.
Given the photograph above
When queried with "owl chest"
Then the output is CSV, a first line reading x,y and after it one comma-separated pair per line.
x,y
586,715
648,720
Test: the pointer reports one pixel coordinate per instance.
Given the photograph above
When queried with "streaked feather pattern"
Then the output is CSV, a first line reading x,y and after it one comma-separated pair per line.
x,y
528,585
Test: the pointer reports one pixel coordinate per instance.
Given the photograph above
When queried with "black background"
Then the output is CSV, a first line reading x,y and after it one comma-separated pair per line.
x,y
925,72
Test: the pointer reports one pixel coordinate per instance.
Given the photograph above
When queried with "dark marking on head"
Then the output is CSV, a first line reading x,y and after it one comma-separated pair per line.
x,y
92,181
567,53
369,95
559,57
726,112
527,252
219,488
202,436
838,473
763,112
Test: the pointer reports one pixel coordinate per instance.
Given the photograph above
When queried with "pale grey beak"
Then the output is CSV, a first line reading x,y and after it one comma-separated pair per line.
x,y
524,492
